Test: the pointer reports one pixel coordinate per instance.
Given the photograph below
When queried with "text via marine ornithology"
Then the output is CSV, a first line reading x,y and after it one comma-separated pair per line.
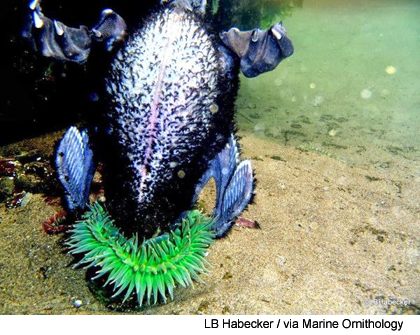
x,y
347,323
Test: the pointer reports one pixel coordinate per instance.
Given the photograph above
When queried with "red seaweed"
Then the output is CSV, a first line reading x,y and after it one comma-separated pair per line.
x,y
55,224
7,167
245,223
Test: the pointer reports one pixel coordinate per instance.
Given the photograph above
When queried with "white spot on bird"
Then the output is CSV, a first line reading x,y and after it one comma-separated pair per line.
x,y
214,108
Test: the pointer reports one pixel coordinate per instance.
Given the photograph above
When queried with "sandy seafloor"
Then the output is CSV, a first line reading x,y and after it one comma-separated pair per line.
x,y
334,141
333,239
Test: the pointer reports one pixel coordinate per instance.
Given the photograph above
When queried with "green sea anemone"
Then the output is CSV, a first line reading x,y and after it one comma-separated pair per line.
x,y
151,268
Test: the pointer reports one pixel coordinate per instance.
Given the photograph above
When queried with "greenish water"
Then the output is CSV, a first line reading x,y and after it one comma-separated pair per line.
x,y
352,87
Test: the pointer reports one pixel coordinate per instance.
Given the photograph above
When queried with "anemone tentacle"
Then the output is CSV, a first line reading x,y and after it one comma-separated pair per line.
x,y
152,268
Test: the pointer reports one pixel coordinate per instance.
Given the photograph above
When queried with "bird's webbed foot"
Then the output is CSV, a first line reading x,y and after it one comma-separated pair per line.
x,y
75,167
259,50
52,38
234,186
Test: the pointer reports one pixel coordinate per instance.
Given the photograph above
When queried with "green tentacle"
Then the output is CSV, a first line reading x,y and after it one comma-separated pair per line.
x,y
149,269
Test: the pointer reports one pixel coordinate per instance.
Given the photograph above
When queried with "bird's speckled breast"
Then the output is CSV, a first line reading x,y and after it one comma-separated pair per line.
x,y
162,92
163,89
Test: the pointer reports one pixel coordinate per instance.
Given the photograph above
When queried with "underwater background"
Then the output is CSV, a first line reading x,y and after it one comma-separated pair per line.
x,y
333,134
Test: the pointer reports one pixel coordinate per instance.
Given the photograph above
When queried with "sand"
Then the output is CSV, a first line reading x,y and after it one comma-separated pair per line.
x,y
334,239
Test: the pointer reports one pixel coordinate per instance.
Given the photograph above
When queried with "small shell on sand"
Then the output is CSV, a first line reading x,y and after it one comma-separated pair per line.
x,y
332,132
77,303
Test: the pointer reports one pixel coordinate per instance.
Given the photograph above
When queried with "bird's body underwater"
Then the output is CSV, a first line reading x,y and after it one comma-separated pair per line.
x,y
169,126
167,130
171,112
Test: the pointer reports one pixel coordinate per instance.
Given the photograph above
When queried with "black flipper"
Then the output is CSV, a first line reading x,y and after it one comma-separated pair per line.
x,y
259,50
54,39
234,186
75,167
